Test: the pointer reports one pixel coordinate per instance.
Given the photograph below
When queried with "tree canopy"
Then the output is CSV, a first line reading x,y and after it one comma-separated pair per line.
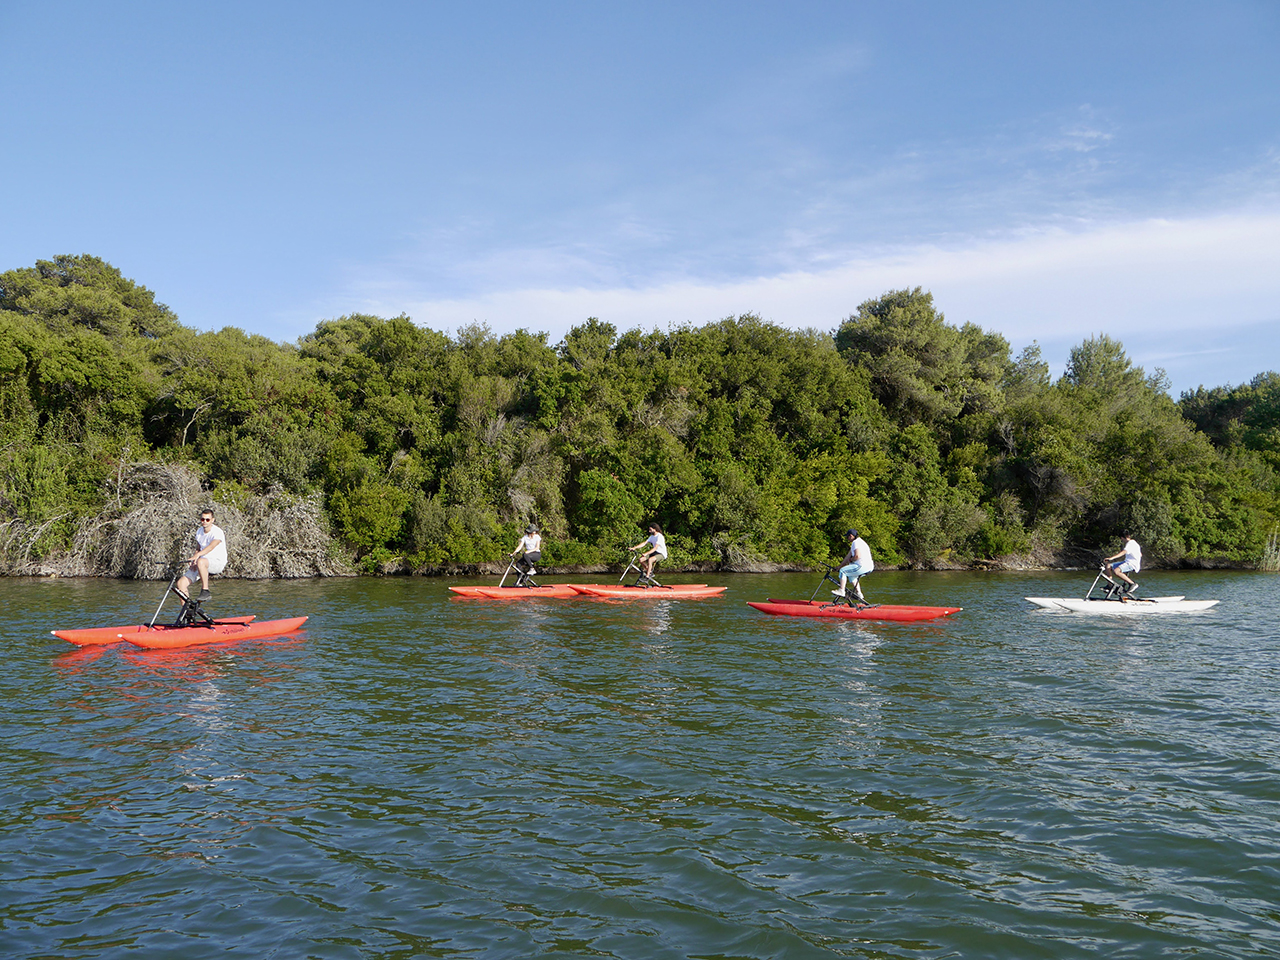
x,y
751,443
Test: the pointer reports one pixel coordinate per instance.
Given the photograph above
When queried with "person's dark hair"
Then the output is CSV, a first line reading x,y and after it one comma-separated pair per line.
x,y
655,525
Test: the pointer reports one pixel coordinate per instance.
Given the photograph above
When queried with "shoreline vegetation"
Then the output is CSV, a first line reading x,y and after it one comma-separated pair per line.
x,y
374,446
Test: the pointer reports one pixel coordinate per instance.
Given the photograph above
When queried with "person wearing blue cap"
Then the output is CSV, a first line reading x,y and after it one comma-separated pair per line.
x,y
857,564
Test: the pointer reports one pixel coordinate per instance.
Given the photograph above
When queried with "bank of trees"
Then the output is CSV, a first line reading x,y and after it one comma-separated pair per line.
x,y
751,443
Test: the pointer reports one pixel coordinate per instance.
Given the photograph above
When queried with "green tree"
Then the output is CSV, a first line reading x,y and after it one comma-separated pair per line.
x,y
922,369
85,292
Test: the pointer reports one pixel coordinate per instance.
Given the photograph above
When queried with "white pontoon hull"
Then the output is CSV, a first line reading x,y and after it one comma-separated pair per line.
x,y
1125,608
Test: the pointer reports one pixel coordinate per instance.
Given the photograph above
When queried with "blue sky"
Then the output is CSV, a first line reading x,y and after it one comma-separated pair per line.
x,y
1048,170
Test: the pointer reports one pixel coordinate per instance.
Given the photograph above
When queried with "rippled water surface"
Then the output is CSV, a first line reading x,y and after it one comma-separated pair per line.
x,y
421,776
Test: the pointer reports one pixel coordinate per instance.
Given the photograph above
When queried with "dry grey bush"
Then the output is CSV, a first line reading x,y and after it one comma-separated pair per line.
x,y
18,541
740,557
286,537
1271,553
271,535
146,542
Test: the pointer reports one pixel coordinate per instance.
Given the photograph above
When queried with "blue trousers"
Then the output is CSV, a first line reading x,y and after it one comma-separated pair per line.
x,y
853,571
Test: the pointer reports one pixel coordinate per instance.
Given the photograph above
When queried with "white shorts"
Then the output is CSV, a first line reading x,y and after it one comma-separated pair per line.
x,y
215,568
1124,566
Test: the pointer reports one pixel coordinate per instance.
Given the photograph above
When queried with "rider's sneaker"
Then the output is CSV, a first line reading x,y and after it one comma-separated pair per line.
x,y
204,595
532,571
1132,589
838,593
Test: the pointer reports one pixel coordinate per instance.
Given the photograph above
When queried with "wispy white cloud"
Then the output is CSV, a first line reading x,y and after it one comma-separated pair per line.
x,y
1153,274
1085,134
1175,287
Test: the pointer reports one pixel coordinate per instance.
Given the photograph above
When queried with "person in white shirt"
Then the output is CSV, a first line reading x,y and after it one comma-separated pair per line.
x,y
657,545
1127,561
211,558
529,550
857,564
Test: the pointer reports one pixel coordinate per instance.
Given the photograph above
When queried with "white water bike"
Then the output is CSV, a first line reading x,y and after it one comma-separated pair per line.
x,y
1116,597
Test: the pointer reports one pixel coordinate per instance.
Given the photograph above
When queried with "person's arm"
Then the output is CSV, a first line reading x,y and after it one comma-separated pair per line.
x,y
206,550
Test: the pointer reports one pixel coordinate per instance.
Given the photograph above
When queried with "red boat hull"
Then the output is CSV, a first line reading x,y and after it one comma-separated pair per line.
x,y
821,608
168,637
552,591
617,590
93,636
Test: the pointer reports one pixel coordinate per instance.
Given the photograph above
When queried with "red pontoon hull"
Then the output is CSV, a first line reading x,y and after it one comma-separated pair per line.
x,y
554,590
822,608
91,636
163,637
678,590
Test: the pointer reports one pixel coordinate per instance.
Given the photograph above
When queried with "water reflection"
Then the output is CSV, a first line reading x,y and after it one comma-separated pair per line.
x,y
76,660
654,616
256,659
647,778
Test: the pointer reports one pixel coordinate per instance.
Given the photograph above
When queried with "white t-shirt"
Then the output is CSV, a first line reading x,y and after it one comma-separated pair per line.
x,y
530,543
1133,554
861,554
205,537
659,543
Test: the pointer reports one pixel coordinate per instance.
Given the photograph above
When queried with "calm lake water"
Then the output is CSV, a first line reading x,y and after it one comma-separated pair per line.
x,y
419,776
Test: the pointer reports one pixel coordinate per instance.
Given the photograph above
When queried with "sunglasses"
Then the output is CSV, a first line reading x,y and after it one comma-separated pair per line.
x,y
206,519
